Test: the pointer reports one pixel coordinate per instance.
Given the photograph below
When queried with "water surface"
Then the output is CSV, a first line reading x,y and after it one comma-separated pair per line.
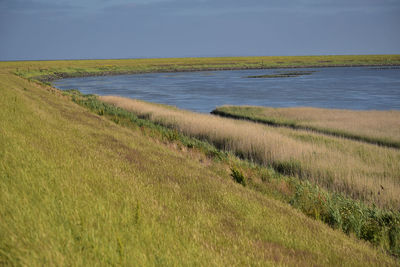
x,y
360,88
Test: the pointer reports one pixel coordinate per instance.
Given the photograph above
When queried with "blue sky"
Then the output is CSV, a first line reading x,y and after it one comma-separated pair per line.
x,y
88,29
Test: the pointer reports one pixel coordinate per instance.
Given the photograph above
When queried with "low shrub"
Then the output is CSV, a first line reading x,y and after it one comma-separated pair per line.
x,y
238,176
380,227
290,168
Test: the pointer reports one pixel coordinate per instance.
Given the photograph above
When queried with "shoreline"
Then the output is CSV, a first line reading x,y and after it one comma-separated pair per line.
x,y
64,75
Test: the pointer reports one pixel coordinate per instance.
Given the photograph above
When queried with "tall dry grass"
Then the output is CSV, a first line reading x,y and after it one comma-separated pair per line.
x,y
362,171
385,124
368,125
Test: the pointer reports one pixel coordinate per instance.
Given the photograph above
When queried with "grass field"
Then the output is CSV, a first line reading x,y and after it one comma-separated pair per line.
x,y
49,70
378,226
78,188
355,169
378,127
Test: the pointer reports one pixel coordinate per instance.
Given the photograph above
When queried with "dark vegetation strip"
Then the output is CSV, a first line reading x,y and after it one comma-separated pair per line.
x,y
378,226
285,74
293,125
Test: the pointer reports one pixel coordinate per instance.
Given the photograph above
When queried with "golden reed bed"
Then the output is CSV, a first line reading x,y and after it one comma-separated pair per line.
x,y
373,126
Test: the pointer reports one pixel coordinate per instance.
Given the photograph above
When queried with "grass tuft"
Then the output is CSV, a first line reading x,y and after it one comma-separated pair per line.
x,y
238,176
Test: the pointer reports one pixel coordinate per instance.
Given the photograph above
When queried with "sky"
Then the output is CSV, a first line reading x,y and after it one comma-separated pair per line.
x,y
96,29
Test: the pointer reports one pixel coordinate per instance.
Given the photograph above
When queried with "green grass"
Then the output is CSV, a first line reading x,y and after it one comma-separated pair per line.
x,y
80,188
50,70
378,226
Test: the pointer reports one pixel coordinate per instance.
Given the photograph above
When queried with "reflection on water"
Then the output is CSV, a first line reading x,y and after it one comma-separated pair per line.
x,y
349,88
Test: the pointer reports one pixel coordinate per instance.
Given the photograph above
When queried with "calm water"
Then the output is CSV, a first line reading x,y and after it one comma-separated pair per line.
x,y
349,88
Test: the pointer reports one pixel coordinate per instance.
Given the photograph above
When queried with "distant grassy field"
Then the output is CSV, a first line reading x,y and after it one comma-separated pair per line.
x,y
79,188
50,70
379,127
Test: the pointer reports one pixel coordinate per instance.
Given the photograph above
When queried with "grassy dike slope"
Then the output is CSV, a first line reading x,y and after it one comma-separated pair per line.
x,y
77,189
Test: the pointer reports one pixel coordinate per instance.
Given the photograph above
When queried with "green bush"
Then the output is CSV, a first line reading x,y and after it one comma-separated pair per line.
x,y
290,168
380,227
238,176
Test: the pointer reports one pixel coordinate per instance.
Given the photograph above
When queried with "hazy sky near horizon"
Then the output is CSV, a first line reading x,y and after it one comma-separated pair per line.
x,y
89,29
